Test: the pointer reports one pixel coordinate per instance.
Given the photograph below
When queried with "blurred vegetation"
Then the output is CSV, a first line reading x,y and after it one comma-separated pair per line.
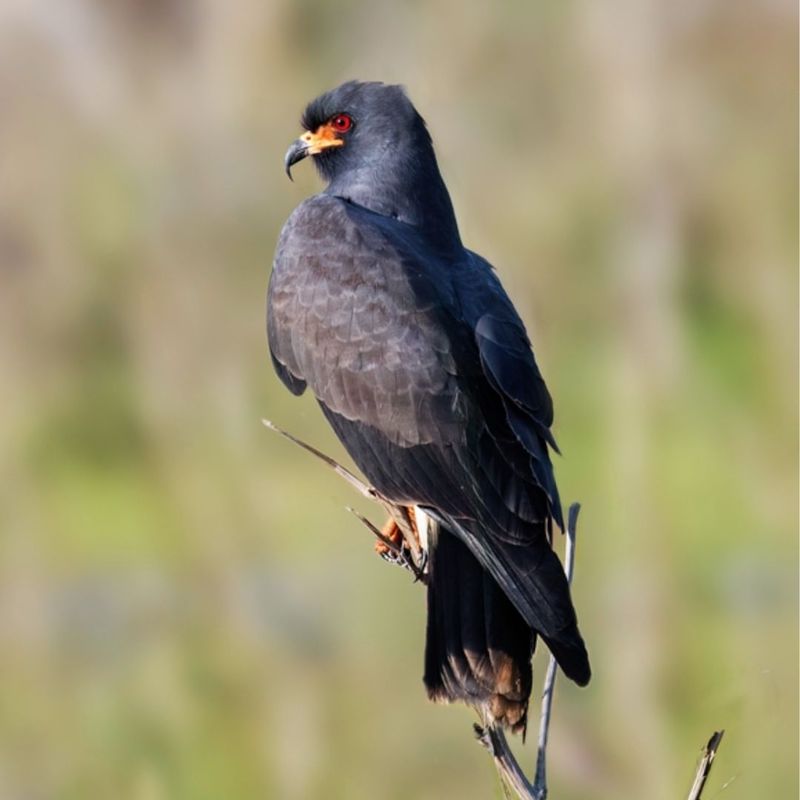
x,y
186,610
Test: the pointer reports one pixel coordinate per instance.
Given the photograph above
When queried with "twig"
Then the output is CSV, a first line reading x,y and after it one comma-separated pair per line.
x,y
416,562
704,768
505,762
357,483
494,740
540,781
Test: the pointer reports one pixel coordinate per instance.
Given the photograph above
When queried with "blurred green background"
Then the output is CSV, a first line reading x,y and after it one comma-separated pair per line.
x,y
186,609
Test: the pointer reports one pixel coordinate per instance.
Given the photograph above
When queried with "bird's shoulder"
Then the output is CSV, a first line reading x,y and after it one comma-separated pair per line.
x,y
327,233
334,255
317,218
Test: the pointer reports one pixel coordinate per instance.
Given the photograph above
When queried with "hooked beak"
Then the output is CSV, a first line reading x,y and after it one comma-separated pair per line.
x,y
311,144
297,151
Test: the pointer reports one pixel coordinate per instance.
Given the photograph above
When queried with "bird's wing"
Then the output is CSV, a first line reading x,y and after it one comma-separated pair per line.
x,y
351,314
509,366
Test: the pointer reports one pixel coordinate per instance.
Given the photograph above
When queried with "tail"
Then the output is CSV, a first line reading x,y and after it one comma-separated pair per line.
x,y
532,578
478,647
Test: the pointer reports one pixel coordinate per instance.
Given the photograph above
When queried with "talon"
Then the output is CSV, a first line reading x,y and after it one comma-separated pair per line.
x,y
392,558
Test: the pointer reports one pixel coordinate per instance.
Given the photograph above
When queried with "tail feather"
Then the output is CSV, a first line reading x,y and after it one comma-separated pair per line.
x,y
478,647
533,580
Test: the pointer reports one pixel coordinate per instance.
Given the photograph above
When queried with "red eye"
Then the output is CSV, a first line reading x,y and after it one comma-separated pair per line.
x,y
341,123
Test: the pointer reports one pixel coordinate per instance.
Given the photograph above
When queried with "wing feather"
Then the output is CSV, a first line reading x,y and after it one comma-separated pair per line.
x,y
351,315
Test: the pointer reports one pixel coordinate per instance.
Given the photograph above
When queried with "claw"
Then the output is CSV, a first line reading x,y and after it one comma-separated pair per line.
x,y
403,559
392,547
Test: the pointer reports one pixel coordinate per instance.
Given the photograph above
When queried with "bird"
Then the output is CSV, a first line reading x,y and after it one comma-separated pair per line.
x,y
422,366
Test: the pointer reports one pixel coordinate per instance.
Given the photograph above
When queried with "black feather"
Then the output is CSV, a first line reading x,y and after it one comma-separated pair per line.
x,y
478,648
423,367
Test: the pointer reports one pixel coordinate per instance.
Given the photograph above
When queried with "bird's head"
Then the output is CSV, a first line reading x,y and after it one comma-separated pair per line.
x,y
372,147
358,125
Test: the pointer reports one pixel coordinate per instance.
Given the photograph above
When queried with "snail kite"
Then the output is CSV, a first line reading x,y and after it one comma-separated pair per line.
x,y
424,370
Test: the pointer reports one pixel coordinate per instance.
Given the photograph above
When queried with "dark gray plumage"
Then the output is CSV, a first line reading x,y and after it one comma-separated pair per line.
x,y
424,369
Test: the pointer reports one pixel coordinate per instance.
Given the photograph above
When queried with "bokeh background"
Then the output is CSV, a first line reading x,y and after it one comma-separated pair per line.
x,y
186,609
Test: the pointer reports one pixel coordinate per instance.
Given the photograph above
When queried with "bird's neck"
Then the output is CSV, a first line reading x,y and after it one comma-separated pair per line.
x,y
405,184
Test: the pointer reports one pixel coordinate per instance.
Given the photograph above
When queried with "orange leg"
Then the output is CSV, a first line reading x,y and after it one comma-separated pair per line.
x,y
392,532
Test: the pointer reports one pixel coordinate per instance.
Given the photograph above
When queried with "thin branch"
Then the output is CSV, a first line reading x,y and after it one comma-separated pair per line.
x,y
357,483
505,762
704,767
396,549
540,781
494,739
416,562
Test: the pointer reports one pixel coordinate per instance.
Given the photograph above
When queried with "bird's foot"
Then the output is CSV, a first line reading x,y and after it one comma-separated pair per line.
x,y
393,549
391,534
